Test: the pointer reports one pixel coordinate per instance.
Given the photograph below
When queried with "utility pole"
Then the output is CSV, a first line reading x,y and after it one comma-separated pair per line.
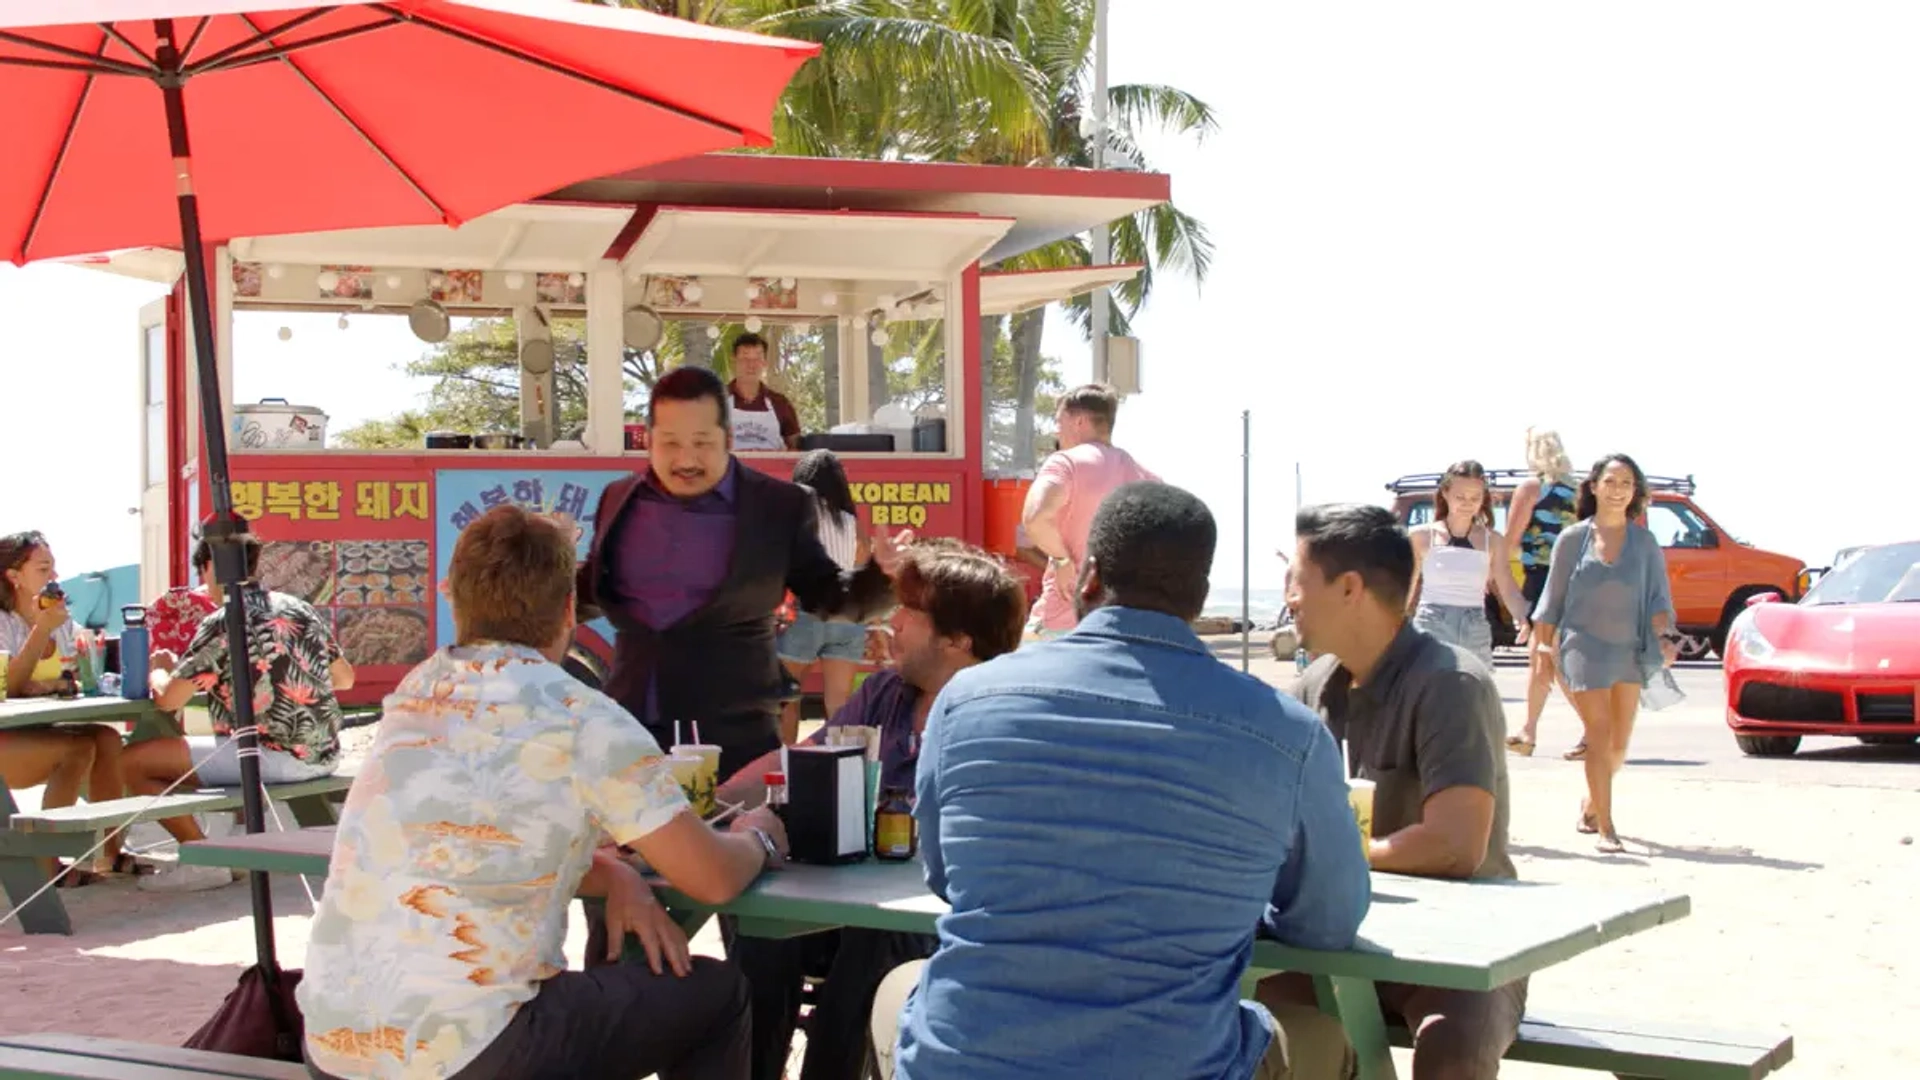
x,y
1102,255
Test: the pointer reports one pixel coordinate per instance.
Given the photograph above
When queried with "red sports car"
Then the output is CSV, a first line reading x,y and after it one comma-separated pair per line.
x,y
1843,661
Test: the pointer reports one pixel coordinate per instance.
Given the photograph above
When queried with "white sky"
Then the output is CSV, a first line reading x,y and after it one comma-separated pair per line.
x,y
1686,231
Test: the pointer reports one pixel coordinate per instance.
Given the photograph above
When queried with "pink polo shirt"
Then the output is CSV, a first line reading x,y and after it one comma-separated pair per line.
x,y
1087,473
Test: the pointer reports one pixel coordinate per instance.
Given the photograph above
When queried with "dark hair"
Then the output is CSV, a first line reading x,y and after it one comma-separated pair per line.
x,y
1464,470
1152,546
511,579
820,472
1588,503
747,341
964,590
689,383
203,553
1357,538
1095,400
15,550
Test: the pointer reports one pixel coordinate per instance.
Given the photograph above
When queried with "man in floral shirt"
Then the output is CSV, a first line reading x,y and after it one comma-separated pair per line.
x,y
297,668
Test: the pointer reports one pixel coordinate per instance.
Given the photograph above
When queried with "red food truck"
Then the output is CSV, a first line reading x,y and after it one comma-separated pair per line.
x,y
867,276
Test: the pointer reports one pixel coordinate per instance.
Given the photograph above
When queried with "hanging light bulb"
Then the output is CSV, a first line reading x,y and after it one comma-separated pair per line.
x,y
859,322
286,333
693,292
753,291
828,299
276,271
393,281
576,279
880,336
713,333
343,322
328,281
437,280
513,279
754,324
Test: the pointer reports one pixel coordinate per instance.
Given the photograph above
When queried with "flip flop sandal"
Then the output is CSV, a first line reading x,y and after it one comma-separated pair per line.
x,y
131,865
1610,845
1578,753
74,877
1521,746
1587,823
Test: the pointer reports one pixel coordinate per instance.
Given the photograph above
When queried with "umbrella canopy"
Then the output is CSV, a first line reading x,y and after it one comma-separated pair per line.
x,y
319,116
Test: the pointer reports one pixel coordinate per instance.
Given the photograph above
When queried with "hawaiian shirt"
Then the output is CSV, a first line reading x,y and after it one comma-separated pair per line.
x,y
173,618
493,778
293,651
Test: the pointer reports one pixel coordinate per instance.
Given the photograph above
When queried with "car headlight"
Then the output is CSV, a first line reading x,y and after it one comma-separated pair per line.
x,y
1745,633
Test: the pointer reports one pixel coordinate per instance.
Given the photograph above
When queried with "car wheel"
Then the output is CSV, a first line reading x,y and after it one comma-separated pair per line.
x,y
1694,647
1890,740
1768,745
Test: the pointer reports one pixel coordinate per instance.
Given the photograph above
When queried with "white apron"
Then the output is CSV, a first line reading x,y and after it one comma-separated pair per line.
x,y
757,430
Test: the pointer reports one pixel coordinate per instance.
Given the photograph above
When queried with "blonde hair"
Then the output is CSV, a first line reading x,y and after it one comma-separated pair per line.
x,y
1546,456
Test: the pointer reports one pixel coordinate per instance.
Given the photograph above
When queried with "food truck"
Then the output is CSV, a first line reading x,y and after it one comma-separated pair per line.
x,y
866,276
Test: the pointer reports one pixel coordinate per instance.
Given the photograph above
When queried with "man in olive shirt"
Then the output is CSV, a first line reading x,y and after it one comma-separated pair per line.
x,y
1422,720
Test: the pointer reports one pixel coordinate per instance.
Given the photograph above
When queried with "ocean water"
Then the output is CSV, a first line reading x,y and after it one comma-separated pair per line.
x,y
1262,604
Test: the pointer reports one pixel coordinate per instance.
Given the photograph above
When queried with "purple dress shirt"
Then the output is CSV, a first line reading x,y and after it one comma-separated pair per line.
x,y
886,701
672,555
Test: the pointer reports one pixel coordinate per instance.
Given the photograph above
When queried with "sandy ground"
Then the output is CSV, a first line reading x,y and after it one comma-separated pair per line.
x,y
1802,920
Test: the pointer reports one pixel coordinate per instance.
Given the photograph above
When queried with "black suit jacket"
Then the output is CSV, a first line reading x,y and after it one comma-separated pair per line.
x,y
719,662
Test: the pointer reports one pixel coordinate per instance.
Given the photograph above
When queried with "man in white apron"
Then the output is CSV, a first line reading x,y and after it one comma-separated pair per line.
x,y
763,418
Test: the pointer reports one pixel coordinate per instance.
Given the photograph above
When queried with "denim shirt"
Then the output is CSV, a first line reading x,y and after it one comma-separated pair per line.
x,y
1111,814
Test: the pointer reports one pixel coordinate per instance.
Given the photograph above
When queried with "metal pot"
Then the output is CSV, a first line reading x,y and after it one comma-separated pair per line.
x,y
449,440
499,441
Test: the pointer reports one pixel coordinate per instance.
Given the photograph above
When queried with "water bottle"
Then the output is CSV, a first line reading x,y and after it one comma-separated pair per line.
x,y
134,647
1299,659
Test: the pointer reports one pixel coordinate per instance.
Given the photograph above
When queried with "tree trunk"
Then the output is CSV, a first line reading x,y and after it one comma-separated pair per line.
x,y
830,365
989,346
1028,326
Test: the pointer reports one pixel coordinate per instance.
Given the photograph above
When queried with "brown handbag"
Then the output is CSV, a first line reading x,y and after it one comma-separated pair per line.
x,y
258,1019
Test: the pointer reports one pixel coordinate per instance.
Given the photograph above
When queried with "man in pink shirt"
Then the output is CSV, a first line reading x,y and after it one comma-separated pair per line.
x,y
1060,505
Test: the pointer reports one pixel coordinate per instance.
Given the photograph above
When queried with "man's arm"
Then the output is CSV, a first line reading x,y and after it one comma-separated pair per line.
x,y
1457,756
173,685
586,599
748,784
926,798
822,588
1323,890
1040,515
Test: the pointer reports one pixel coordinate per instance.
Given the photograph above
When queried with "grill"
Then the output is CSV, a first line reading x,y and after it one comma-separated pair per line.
x,y
1794,704
1884,708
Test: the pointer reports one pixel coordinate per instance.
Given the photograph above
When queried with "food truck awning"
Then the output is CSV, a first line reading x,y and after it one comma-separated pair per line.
x,y
805,244
529,237
1006,292
1044,204
161,266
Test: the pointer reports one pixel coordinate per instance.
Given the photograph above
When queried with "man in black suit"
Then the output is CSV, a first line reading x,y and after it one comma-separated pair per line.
x,y
690,561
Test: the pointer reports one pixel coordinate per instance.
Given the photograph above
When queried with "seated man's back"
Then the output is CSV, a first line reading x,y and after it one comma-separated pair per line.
x,y
1111,815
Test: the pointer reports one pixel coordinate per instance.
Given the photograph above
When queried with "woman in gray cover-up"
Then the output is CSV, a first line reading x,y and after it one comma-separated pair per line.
x,y
1606,619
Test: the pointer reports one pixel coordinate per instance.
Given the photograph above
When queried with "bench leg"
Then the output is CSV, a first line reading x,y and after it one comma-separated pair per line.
x,y
1357,1003
47,914
311,810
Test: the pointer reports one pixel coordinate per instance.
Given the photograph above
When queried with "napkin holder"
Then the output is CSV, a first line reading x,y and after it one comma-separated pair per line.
x,y
826,804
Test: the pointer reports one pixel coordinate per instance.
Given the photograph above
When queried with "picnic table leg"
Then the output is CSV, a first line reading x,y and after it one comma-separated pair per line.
x,y
1357,1004
21,875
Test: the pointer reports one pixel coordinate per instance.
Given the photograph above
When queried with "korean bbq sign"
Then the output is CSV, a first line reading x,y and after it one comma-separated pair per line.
x,y
900,503
332,500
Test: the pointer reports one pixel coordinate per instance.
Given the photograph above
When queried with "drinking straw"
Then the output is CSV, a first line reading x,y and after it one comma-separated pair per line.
x,y
677,741
696,734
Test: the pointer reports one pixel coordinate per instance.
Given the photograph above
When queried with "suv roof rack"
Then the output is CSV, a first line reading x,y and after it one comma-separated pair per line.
x,y
1507,479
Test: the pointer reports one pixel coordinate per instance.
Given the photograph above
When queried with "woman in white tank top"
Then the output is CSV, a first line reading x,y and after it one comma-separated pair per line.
x,y
1456,559
838,648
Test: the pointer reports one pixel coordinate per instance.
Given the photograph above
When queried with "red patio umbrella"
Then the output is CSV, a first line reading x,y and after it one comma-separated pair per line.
x,y
183,123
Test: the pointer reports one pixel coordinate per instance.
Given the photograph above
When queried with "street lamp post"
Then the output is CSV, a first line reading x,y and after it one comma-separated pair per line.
x,y
1101,238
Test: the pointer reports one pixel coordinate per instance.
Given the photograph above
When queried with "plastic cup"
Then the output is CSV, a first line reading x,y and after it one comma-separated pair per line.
x,y
1360,798
709,756
6,659
696,780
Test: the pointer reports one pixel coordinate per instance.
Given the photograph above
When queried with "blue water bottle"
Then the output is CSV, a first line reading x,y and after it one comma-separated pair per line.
x,y
134,647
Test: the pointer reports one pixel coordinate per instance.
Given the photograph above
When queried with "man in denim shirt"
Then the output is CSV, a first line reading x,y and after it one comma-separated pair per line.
x,y
1111,814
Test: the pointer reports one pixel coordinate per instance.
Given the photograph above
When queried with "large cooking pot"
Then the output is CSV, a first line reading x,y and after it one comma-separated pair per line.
x,y
275,425
499,441
449,440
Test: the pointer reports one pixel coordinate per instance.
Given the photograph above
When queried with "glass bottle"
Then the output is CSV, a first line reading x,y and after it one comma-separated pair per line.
x,y
896,836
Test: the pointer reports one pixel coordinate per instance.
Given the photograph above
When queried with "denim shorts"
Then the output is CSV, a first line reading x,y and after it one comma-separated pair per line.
x,y
217,764
811,638
1466,627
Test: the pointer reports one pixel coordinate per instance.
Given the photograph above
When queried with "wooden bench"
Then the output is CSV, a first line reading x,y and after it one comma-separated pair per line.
x,y
71,831
1643,1051
82,1057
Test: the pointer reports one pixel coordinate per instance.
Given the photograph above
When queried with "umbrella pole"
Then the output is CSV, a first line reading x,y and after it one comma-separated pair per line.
x,y
223,529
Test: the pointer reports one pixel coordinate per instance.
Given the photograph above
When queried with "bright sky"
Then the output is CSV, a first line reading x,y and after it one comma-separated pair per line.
x,y
1685,231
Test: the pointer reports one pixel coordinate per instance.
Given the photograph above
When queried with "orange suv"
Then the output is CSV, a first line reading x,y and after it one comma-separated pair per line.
x,y
1711,574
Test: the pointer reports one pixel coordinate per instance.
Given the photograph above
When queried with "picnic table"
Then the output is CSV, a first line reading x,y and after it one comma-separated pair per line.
x,y
1454,934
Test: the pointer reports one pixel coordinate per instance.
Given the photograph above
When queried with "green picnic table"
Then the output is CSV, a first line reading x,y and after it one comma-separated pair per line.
x,y
1455,934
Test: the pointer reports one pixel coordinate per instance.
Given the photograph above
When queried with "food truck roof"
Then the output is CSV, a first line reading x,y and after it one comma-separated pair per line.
x,y
1040,205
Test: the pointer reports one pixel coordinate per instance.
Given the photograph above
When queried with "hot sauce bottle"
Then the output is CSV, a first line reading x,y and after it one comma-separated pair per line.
x,y
896,836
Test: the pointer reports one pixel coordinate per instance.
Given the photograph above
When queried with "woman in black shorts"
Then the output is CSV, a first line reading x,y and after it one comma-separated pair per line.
x,y
1541,506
